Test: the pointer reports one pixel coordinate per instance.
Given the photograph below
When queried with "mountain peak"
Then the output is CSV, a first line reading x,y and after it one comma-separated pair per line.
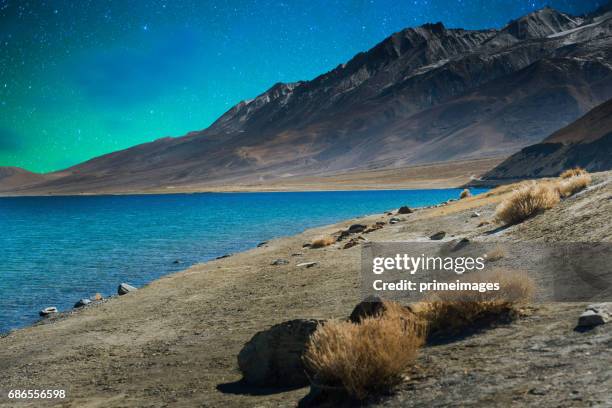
x,y
540,24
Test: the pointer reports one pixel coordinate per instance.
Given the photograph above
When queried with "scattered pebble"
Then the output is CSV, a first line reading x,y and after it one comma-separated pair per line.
x,y
438,236
280,262
307,264
125,288
82,302
48,311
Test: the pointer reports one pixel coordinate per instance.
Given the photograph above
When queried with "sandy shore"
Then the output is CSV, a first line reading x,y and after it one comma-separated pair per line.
x,y
175,341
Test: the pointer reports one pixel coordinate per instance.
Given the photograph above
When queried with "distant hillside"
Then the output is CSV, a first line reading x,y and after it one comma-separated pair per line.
x,y
423,95
12,177
586,143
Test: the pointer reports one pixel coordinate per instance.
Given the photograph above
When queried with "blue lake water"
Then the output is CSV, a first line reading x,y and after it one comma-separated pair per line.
x,y
56,250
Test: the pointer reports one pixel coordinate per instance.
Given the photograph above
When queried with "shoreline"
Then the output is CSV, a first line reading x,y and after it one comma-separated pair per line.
x,y
428,176
177,338
63,314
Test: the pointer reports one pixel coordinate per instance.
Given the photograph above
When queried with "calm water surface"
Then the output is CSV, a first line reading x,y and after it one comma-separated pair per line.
x,y
56,250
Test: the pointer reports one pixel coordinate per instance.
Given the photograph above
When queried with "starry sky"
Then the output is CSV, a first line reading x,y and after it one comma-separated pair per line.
x,y
83,78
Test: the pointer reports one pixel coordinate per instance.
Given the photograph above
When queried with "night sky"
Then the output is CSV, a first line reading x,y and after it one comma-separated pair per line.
x,y
81,78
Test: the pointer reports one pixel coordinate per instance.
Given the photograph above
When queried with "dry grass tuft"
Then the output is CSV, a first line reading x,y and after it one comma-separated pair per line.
x,y
526,202
577,171
322,242
496,254
368,357
465,194
569,186
451,312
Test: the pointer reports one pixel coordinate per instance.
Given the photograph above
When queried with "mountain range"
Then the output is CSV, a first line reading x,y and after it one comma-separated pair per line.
x,y
424,95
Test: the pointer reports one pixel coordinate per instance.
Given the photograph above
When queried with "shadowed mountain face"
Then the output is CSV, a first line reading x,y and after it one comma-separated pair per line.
x,y
423,95
586,143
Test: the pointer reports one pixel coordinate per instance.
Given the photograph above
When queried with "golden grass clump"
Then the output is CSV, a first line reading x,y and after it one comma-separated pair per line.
x,y
526,202
451,312
465,194
367,357
322,242
569,186
577,171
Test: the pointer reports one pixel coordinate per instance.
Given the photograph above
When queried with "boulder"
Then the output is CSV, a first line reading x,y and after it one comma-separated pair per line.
x,y
273,357
277,262
595,315
82,302
438,236
356,228
404,210
124,288
47,311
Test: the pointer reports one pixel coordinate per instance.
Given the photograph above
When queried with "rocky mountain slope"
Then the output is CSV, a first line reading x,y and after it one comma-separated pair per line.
x,y
423,95
585,143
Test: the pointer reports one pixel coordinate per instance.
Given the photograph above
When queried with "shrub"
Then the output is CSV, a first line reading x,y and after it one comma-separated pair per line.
x,y
569,186
496,254
322,242
465,194
451,312
577,171
366,357
526,202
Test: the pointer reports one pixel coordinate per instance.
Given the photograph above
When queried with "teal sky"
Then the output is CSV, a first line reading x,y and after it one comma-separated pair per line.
x,y
83,78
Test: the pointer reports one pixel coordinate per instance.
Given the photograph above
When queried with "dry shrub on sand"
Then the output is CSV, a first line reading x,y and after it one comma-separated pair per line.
x,y
465,194
569,186
577,171
526,202
496,254
322,242
367,357
451,312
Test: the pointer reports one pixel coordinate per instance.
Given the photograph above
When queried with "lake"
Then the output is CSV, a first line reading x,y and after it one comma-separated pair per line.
x,y
56,250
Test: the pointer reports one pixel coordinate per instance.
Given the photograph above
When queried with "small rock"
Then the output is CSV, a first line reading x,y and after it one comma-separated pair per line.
x,y
273,357
595,315
380,223
297,254
438,236
262,244
307,264
82,302
404,210
356,228
48,311
280,262
223,256
307,245
97,296
475,214
394,220
176,261
124,288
